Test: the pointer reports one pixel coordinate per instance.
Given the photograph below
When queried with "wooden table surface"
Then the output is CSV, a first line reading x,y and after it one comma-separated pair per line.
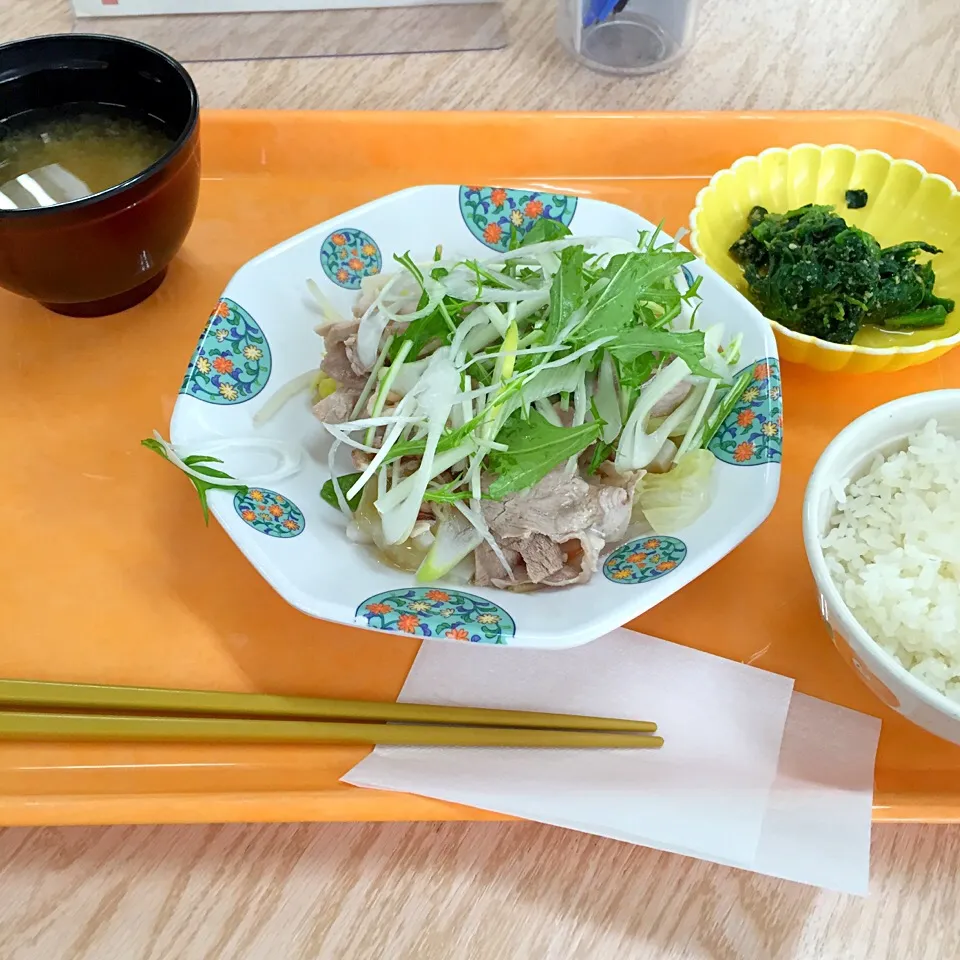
x,y
491,890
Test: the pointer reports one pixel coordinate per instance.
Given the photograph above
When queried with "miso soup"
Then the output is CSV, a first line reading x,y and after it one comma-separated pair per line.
x,y
49,157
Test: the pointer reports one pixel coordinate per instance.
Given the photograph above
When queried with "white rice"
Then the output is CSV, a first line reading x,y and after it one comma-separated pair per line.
x,y
893,550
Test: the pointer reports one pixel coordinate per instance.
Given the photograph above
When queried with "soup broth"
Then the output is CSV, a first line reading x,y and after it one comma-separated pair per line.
x,y
49,157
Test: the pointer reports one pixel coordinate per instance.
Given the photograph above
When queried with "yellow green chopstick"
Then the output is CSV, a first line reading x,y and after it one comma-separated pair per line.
x,y
25,725
45,695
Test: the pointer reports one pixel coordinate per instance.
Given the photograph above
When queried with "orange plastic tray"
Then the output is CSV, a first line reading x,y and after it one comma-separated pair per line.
x,y
108,575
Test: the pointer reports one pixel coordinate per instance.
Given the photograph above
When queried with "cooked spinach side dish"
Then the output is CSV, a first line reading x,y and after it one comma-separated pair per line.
x,y
814,273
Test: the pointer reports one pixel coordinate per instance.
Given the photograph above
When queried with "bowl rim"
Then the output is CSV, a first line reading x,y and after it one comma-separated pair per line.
x,y
849,349
861,642
182,140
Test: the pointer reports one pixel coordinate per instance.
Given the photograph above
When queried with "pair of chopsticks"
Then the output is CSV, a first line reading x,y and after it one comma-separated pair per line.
x,y
35,710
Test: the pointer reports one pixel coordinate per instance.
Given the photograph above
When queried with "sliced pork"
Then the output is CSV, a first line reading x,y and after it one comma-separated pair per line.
x,y
554,533
340,359
338,407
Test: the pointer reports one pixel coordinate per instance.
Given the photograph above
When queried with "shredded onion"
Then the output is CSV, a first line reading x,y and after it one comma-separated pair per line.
x,y
337,489
289,457
609,244
372,324
435,294
475,319
399,513
389,440
329,311
283,395
372,379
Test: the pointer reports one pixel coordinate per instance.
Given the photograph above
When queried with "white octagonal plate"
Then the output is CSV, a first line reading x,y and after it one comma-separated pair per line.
x,y
261,335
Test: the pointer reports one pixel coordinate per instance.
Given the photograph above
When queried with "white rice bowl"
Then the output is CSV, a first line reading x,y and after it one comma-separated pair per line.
x,y
893,550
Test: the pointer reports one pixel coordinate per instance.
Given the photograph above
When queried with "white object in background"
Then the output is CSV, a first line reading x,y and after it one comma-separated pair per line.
x,y
720,789
883,430
138,8
817,827
703,794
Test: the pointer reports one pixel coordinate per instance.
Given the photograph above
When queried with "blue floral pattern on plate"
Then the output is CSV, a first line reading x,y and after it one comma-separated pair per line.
x,y
752,433
438,612
349,255
269,512
231,363
493,214
644,559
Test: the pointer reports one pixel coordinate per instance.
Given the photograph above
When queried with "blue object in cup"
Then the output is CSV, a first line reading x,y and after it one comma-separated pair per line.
x,y
598,10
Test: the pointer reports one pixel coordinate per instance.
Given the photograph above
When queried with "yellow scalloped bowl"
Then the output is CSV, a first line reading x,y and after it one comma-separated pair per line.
x,y
905,203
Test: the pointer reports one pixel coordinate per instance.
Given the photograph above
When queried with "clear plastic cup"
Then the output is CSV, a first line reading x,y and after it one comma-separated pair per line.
x,y
627,36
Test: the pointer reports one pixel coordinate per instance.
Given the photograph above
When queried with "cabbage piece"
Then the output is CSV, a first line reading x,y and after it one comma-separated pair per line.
x,y
673,500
